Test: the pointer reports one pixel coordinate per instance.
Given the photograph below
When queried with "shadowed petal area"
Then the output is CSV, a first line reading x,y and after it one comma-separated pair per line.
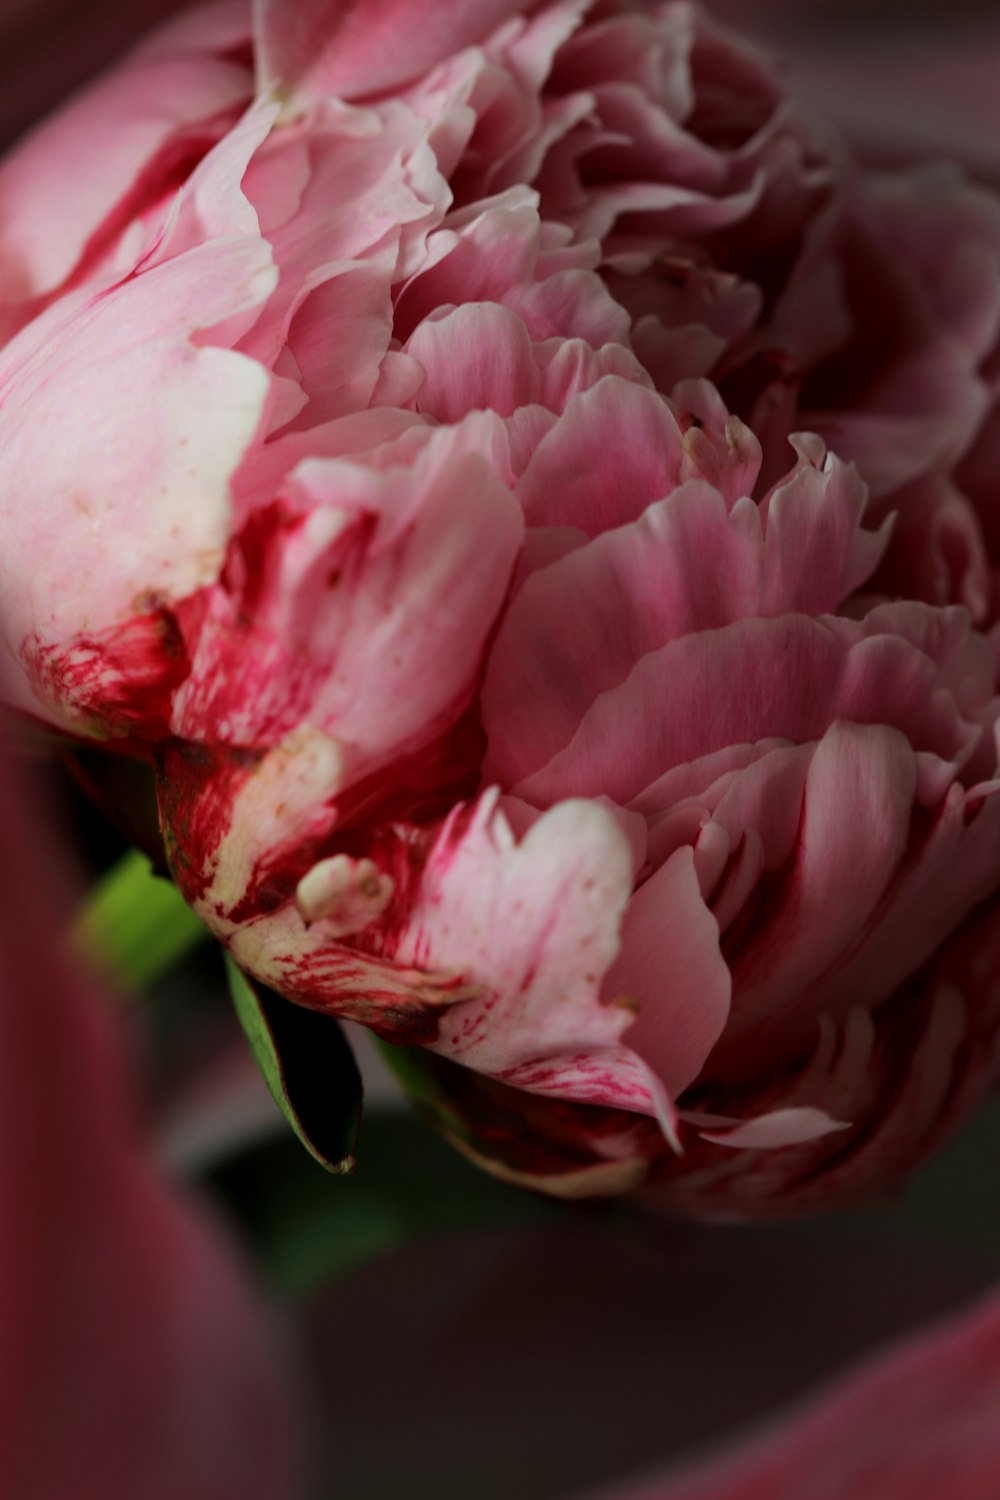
x,y
312,48
671,966
128,134
854,831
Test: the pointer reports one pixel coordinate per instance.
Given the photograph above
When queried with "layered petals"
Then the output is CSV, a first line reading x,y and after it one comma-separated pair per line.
x,y
688,564
528,496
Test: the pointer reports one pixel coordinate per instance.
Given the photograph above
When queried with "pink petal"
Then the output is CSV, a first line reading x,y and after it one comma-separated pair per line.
x,y
211,204
535,926
615,451
818,552
69,177
92,398
475,358
339,338
754,680
373,592
577,628
474,257
779,1128
762,798
671,966
362,195
855,829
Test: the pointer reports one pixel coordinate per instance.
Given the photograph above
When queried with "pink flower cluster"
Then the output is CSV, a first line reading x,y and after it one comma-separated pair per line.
x,y
530,498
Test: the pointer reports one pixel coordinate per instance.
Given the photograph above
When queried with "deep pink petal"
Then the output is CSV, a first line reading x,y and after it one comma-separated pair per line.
x,y
855,829
944,877
616,450
753,680
671,966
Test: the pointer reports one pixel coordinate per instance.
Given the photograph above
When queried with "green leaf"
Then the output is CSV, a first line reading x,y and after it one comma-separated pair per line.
x,y
135,925
307,1065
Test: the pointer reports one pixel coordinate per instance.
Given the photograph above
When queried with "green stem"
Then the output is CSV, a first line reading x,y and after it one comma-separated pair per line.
x,y
135,925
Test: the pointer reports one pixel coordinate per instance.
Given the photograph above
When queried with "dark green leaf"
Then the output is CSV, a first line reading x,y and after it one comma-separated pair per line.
x,y
308,1066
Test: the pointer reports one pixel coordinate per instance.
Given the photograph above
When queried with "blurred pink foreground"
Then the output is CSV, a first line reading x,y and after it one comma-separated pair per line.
x,y
922,1423
133,1363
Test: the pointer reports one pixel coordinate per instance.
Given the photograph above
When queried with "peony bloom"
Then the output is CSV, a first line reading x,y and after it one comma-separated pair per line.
x,y
134,1364
529,499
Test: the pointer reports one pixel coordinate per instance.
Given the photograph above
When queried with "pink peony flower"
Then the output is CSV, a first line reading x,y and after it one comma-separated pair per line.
x,y
528,496
134,1363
